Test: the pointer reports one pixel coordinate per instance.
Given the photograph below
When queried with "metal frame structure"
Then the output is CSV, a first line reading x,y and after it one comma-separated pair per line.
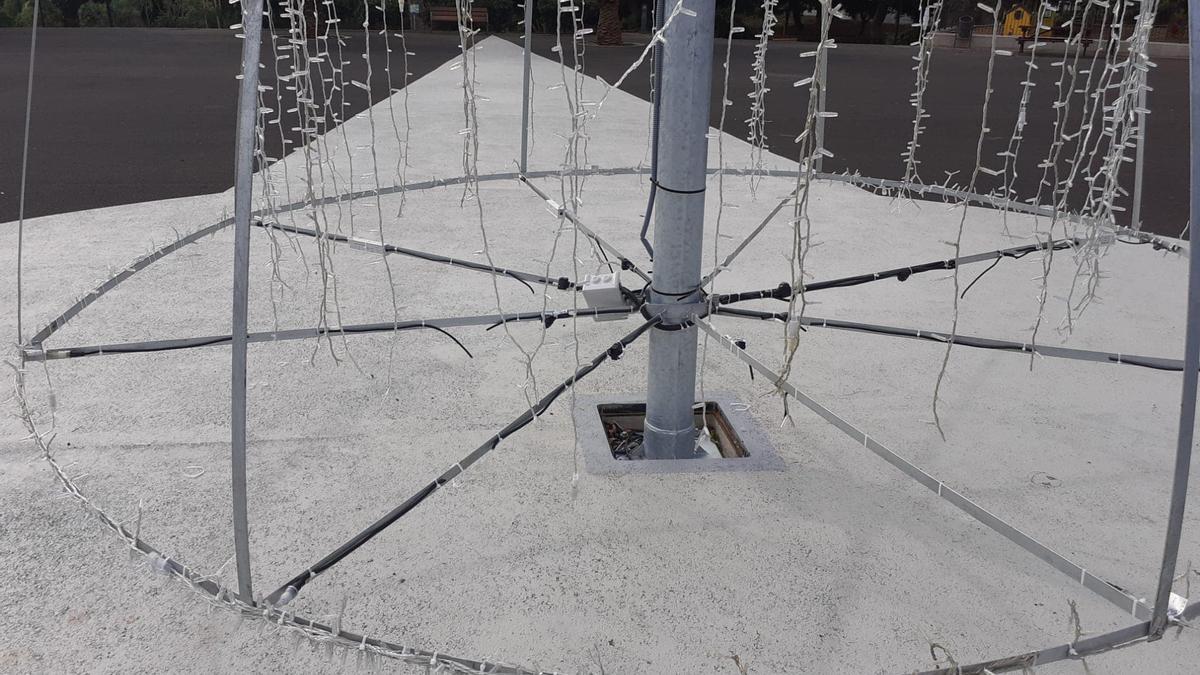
x,y
659,306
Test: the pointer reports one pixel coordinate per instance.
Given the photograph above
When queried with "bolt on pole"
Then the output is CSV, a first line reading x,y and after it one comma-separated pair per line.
x,y
679,230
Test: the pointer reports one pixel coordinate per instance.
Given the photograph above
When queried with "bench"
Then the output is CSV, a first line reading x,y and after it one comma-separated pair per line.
x,y
1021,40
479,16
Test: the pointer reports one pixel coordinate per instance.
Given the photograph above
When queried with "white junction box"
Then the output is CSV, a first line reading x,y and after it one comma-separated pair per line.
x,y
603,291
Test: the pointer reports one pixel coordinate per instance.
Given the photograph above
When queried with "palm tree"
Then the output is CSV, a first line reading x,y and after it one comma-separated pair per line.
x,y
608,28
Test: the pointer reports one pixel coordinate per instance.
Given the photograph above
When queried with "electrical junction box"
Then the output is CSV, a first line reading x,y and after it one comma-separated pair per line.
x,y
603,291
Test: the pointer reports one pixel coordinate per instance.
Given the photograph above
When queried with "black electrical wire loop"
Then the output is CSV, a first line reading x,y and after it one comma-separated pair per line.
x,y
664,188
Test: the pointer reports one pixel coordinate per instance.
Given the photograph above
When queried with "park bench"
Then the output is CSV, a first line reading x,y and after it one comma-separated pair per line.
x,y
479,16
1022,39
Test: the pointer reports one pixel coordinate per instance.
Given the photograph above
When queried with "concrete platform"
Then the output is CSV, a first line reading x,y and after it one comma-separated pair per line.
x,y
839,563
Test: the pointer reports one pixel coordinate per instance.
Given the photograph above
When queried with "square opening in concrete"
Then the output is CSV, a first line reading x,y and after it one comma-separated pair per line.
x,y
624,425
610,435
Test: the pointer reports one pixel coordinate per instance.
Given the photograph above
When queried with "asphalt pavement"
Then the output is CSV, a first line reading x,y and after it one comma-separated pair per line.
x,y
128,115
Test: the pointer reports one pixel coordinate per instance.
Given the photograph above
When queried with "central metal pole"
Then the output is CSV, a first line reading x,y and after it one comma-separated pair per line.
x,y
243,193
679,231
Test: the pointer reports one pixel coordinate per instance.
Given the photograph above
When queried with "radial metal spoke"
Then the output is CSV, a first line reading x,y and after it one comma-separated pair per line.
x,y
1076,572
39,354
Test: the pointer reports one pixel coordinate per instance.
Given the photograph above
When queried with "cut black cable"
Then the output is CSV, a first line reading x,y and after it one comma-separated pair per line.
x,y
1014,256
660,8
456,340
524,277
288,591
980,276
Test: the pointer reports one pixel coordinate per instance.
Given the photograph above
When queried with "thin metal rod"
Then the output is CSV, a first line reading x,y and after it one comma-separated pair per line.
x,y
242,197
1140,160
1074,571
144,346
875,183
1074,651
749,238
25,163
921,190
288,591
1152,362
821,80
687,53
562,283
206,586
525,80
1191,355
565,212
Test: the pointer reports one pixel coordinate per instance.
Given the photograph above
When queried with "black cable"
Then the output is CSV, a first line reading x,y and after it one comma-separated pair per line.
x,y
1014,256
654,182
185,343
191,343
899,273
989,269
656,77
941,338
456,341
298,582
523,277
549,319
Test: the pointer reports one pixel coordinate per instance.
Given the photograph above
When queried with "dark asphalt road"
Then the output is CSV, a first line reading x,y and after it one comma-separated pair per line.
x,y
128,115
870,86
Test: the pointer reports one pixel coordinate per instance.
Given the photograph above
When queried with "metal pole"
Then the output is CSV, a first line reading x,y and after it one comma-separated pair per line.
x,y
1140,161
37,10
1191,354
823,55
525,87
679,232
242,197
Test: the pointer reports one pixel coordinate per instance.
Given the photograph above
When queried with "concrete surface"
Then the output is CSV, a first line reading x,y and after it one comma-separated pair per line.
x,y
838,564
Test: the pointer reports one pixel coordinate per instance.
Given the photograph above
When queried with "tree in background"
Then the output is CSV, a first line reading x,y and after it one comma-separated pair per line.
x,y
608,28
